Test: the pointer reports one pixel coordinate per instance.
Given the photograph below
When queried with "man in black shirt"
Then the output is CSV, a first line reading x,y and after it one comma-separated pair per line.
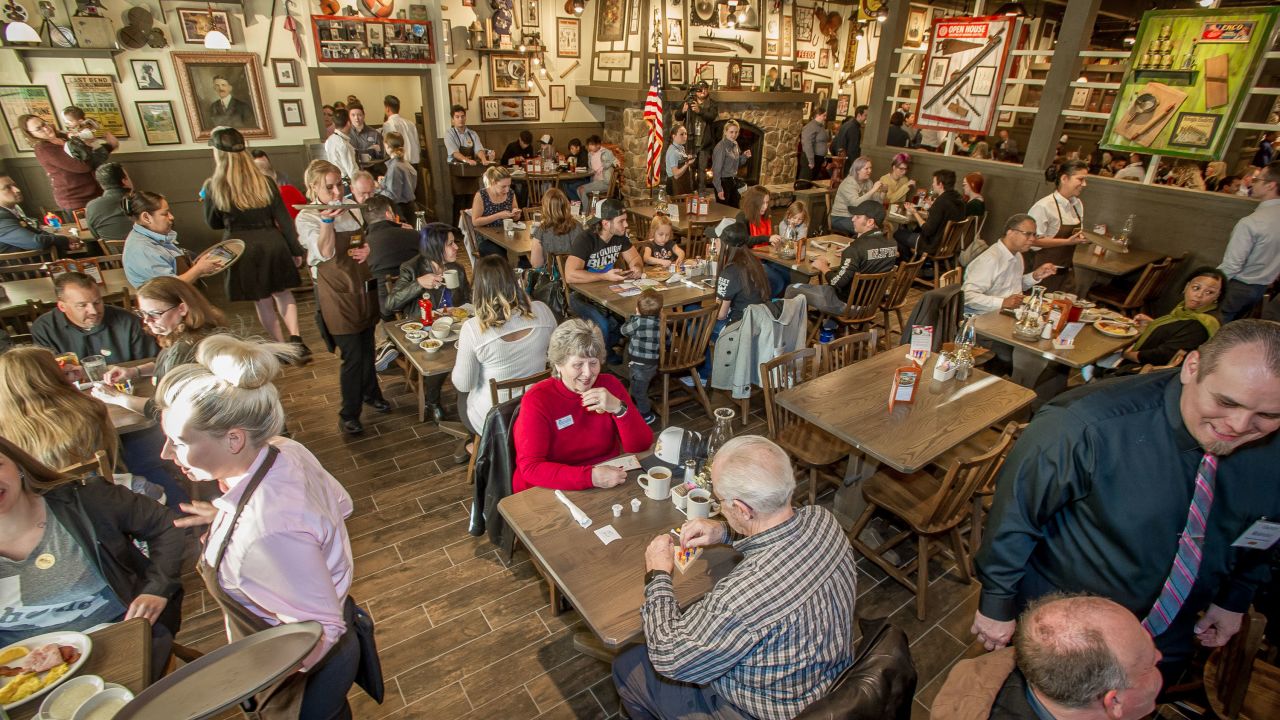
x,y
593,258
849,138
948,205
84,325
390,245
870,252
1096,495
521,147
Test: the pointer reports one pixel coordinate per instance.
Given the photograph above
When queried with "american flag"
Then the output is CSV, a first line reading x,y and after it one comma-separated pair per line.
x,y
653,116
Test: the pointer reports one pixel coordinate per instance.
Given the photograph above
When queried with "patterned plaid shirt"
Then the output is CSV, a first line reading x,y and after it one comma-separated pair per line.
x,y
645,332
773,635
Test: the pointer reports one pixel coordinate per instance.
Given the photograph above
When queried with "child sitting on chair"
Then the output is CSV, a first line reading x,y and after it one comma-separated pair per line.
x,y
663,250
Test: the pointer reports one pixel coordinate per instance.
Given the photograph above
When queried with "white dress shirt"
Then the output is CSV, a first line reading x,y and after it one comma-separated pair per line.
x,y
1052,210
397,124
991,277
1253,253
338,150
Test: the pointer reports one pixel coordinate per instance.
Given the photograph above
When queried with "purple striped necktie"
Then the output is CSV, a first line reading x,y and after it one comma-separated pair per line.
x,y
1186,563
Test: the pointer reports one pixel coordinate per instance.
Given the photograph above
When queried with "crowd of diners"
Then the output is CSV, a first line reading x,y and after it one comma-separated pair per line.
x,y
1080,560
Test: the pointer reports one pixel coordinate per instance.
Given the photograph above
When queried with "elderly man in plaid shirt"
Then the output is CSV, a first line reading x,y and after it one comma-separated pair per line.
x,y
772,636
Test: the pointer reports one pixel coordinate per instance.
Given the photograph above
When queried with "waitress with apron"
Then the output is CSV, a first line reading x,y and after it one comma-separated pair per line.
x,y
277,549
1059,219
465,156
346,292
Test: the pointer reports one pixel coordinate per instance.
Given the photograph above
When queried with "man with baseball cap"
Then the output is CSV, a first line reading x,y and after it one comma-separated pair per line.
x,y
870,252
594,257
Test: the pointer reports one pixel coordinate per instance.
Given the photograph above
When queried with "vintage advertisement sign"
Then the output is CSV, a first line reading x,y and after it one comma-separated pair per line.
x,y
964,68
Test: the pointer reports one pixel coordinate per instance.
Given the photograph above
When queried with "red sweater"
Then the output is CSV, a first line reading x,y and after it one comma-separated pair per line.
x,y
558,441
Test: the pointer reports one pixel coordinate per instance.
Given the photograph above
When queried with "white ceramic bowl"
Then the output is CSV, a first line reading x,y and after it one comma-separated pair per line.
x,y
431,346
416,335
441,328
67,698
104,705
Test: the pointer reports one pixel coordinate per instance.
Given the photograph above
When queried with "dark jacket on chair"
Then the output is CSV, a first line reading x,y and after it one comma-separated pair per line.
x,y
495,464
942,309
880,683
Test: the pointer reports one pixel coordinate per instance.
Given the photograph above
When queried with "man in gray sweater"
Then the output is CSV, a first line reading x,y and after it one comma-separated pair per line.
x,y
814,142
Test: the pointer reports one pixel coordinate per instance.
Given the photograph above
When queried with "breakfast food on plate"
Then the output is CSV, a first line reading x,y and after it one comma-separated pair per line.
x,y
25,668
1115,328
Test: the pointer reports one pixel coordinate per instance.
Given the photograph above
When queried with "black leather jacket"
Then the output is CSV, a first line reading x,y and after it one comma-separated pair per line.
x,y
495,464
405,295
879,684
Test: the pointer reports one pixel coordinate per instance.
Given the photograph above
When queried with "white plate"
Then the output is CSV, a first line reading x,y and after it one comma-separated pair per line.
x,y
79,641
1130,330
410,326
453,335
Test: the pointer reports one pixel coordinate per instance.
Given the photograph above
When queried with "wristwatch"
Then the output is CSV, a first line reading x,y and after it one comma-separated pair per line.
x,y
622,410
653,574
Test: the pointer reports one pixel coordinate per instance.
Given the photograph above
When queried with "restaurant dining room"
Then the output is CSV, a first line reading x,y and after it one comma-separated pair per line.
x,y
734,359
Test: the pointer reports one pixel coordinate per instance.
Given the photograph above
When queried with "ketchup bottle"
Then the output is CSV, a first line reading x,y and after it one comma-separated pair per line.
x,y
425,306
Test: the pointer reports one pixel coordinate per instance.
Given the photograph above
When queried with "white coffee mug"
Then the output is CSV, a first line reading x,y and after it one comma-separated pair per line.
x,y
699,503
658,486
451,279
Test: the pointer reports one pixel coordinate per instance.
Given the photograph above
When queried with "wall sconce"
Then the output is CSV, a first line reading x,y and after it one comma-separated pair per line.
x,y
575,6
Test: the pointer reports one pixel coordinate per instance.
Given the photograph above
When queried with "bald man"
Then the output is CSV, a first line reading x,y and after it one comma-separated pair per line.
x,y
1073,658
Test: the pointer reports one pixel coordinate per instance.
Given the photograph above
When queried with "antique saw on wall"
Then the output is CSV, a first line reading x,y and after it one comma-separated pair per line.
x,y
963,76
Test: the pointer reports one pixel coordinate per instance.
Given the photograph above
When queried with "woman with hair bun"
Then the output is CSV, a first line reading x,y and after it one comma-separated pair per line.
x,y
1059,220
151,248
277,550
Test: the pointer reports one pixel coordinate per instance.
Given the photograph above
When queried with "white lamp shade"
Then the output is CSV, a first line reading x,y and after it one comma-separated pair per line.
x,y
216,40
21,32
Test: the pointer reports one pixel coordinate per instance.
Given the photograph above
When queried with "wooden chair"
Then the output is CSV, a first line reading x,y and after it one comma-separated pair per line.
x,y
808,445
1150,283
469,238
695,240
17,320
866,293
683,341
1237,682
982,496
846,350
944,258
121,298
26,271
111,247
637,226
954,276
98,463
500,391
28,257
896,298
538,184
933,510
80,217
111,262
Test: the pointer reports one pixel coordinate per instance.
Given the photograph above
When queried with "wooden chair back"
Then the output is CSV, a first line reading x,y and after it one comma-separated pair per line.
x,y
637,226
1153,278
695,240
26,257
952,501
684,337
26,271
80,216
111,247
121,298
952,236
1230,669
954,276
97,464
538,184
1011,431
469,238
503,390
111,262
847,350
866,293
17,320
783,373
901,285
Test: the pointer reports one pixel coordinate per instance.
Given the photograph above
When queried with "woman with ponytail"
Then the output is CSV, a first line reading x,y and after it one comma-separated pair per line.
x,y
1059,220
151,248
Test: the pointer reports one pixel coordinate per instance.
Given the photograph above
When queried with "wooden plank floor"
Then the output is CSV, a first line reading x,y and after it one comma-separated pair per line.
x,y
462,634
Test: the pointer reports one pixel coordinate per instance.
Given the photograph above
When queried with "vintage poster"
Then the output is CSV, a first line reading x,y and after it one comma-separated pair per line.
x,y
19,100
159,125
96,95
1188,79
965,59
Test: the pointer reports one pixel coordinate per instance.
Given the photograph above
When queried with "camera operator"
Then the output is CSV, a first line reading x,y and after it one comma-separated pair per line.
x,y
697,112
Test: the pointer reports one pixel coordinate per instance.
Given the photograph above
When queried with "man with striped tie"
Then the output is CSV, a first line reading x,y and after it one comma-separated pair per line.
x,y
1141,492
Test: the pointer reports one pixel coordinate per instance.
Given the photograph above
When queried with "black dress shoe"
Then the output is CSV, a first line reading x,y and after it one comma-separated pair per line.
x,y
350,427
380,405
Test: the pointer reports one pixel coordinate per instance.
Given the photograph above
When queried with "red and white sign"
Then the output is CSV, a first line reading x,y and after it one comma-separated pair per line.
x,y
964,70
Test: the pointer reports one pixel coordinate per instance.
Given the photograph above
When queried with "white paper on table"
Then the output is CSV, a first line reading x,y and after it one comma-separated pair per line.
x,y
574,510
607,534
623,462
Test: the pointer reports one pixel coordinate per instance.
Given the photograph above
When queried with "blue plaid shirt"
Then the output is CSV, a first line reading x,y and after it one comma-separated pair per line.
x,y
773,635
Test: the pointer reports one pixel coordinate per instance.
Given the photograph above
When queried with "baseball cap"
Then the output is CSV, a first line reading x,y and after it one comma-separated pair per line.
x,y
227,139
610,209
870,209
545,139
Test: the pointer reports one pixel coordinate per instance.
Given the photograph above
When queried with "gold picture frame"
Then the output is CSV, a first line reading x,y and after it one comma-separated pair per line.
x,y
238,100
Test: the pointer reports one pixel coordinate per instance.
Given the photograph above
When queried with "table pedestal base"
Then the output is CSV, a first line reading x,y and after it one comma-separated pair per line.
x,y
1031,370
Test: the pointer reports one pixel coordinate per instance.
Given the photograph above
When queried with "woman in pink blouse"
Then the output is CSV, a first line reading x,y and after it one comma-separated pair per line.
x,y
277,549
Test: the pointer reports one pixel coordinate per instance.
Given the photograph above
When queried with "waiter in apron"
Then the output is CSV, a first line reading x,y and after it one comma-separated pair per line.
x,y
346,292
466,156
1059,222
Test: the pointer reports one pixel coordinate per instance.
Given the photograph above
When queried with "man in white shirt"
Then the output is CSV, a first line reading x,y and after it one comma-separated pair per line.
x,y
396,124
994,280
1252,259
338,149
1134,170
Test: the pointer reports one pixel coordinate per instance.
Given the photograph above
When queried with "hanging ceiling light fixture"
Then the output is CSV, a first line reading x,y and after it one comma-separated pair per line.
x,y
17,30
216,39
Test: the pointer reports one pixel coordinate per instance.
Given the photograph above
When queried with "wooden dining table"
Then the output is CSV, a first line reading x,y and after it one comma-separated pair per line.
x,y
1037,364
121,654
676,295
18,292
420,364
605,583
715,213
518,243
1089,268
852,404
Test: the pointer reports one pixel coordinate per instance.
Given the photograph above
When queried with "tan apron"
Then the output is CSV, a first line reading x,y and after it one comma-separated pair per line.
x,y
1063,256
347,298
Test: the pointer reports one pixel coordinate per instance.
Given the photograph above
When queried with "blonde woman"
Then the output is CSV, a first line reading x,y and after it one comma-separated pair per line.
x,y
726,159
46,415
245,204
400,183
1214,174
494,203
277,549
348,306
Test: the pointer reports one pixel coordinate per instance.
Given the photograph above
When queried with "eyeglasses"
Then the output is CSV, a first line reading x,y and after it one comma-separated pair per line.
x,y
153,314
1025,233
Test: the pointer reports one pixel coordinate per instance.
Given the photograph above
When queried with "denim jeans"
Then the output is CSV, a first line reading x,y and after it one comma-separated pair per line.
x,y
1238,299
778,276
843,225
642,374
587,310
704,371
647,695
140,451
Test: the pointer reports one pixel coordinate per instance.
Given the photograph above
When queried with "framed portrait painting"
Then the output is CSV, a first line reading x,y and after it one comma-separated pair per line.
x,y
222,89
196,23
159,125
146,74
568,34
19,100
611,20
675,71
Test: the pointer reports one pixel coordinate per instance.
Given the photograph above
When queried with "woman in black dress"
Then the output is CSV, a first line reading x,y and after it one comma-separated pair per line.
x,y
245,204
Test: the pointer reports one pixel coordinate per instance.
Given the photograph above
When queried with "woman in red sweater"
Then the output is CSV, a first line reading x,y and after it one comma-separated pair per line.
x,y
72,180
577,418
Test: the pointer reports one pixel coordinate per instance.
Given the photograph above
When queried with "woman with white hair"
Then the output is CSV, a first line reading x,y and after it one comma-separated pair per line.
x,y
577,418
854,190
277,550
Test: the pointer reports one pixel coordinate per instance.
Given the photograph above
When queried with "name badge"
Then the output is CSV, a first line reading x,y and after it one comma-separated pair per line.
x,y
1260,536
564,422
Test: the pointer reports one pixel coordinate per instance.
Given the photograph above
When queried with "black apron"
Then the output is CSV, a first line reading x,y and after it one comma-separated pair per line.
x,y
346,293
1063,256
464,178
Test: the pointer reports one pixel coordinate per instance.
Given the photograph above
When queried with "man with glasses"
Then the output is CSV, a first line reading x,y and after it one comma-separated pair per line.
x,y
994,280
19,231
1252,259
774,634
84,325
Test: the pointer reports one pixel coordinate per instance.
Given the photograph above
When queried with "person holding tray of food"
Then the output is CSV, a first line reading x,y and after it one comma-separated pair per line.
x,y
1059,220
151,249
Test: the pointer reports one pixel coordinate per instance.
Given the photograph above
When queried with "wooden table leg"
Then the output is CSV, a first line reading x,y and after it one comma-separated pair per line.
x,y
1031,370
849,503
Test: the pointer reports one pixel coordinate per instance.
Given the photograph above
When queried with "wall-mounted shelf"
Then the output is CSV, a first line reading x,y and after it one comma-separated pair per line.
x,y
342,39
26,52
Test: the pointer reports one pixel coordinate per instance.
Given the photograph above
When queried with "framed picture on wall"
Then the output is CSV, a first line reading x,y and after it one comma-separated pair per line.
x,y
808,109
917,24
159,126
529,14
19,100
984,79
96,95
675,34
568,35
457,94
146,74
675,71
611,20
285,72
1079,98
291,113
633,26
843,105
824,58
196,23
490,109
938,67
558,98
806,87
824,93
529,108
797,80
223,88
748,74
1194,130
614,60
508,73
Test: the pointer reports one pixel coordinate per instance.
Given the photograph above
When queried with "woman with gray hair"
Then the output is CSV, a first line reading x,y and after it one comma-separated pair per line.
x,y
855,189
577,418
277,550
